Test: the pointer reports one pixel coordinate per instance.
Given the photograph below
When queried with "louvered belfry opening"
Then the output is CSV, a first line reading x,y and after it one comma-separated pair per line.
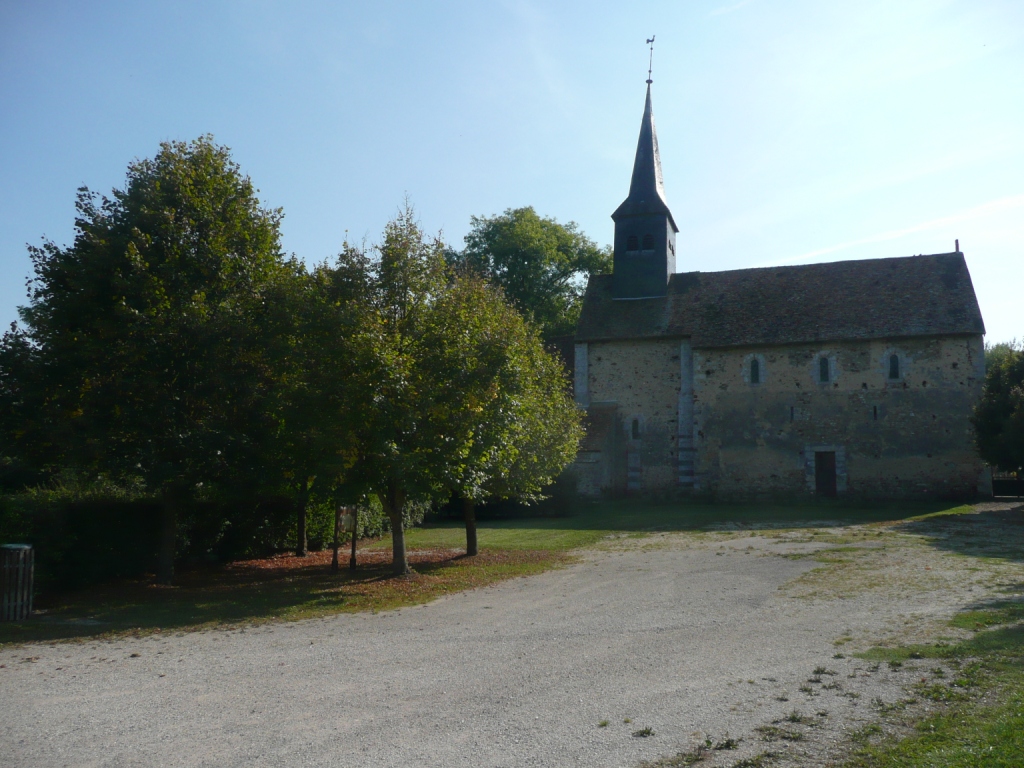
x,y
645,232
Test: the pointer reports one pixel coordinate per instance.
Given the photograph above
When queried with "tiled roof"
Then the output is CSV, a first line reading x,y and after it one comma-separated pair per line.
x,y
876,298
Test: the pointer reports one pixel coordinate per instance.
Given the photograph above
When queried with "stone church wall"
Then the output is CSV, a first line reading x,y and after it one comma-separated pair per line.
x,y
626,382
891,437
908,436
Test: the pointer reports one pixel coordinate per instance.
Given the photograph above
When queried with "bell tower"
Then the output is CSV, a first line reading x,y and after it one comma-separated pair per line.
x,y
645,232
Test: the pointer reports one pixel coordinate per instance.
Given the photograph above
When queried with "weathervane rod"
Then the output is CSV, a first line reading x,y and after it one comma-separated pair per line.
x,y
650,60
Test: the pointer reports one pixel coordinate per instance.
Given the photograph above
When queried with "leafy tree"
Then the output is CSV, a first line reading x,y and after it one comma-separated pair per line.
x,y
996,354
315,321
541,265
148,332
399,456
24,434
999,417
497,396
460,395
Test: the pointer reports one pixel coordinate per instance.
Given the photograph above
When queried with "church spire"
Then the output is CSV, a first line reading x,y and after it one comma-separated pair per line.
x,y
645,232
646,188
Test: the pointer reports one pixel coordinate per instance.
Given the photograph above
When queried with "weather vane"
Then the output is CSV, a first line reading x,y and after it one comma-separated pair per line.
x,y
650,61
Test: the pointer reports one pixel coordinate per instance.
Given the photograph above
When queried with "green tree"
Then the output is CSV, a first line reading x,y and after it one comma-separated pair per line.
x,y
27,441
500,400
148,331
315,322
541,265
999,417
996,354
399,457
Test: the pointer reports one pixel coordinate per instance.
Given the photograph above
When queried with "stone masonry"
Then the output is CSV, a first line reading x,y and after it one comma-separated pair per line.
x,y
892,437
905,436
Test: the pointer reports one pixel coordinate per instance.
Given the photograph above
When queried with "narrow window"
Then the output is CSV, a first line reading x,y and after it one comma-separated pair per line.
x,y
823,373
755,371
632,244
876,413
894,366
648,242
636,429
792,413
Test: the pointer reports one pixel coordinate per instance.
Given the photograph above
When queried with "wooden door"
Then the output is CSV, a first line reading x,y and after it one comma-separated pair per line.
x,y
825,473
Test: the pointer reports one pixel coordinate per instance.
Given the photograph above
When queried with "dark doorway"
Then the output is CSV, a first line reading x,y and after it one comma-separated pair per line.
x,y
825,473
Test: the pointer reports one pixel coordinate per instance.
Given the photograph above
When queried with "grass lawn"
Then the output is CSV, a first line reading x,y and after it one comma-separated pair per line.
x,y
289,588
981,720
982,723
595,521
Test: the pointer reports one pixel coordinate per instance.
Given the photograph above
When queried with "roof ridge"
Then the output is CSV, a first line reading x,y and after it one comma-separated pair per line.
x,y
821,263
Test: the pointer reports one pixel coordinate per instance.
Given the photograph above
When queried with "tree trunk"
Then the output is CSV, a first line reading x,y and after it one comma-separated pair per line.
x,y
300,538
394,503
337,539
469,515
355,535
168,542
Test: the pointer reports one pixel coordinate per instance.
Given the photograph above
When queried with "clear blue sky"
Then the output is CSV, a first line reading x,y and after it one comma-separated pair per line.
x,y
791,131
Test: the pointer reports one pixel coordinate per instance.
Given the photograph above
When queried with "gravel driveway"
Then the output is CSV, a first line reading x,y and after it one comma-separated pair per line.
x,y
691,637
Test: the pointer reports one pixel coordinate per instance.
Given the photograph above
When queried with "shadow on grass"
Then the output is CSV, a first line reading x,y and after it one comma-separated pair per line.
x,y
1007,644
1003,646
586,524
982,723
627,515
997,533
258,591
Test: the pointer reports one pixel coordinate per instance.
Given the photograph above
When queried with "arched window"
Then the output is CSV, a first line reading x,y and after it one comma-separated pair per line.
x,y
894,366
632,244
636,429
823,372
648,242
755,371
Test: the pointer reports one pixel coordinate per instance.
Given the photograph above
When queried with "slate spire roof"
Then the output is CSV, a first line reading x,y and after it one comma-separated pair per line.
x,y
646,189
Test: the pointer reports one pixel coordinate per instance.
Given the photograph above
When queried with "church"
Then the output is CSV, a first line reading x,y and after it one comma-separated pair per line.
x,y
853,378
